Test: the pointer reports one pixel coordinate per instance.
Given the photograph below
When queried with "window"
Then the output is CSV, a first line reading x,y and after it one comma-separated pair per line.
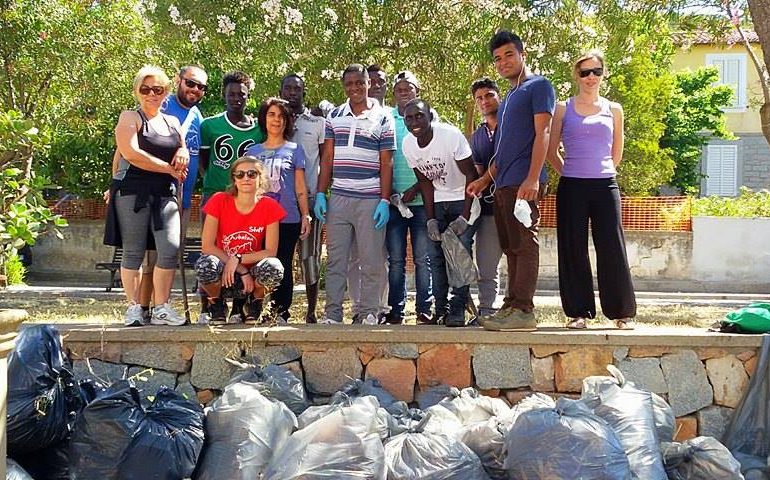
x,y
732,72
721,170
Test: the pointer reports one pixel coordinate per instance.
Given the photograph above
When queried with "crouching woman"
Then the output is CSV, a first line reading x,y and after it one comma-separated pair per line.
x,y
239,242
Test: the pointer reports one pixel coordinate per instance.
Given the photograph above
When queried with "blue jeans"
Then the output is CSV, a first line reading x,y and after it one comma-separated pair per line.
x,y
445,213
395,240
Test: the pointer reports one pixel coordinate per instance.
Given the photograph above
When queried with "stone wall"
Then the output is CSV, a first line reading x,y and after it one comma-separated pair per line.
x,y
755,165
703,376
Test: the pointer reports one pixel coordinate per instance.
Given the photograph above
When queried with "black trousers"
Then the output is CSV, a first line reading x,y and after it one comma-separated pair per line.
x,y
597,200
281,298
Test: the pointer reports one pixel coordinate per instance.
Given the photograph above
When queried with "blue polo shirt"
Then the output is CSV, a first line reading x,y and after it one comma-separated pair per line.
x,y
483,146
516,129
190,119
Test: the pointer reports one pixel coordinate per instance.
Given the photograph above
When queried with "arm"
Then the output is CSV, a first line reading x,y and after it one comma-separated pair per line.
x,y
182,156
618,136
327,165
300,189
386,174
115,162
411,193
127,140
466,166
426,188
530,187
476,187
553,156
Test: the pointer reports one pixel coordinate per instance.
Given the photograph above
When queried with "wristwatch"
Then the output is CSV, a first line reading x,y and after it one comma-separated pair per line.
x,y
239,257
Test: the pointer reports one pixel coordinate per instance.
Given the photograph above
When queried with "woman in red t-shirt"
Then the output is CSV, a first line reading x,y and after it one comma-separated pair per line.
x,y
240,240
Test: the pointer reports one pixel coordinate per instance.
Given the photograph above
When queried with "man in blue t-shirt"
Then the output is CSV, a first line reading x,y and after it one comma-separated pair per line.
x,y
518,172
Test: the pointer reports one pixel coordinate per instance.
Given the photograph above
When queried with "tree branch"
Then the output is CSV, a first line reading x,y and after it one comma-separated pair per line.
x,y
764,80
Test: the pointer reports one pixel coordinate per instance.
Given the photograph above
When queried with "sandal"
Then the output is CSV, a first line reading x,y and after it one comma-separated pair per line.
x,y
578,323
624,323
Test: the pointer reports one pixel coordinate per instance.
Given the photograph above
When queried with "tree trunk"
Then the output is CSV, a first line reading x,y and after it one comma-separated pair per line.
x,y
760,17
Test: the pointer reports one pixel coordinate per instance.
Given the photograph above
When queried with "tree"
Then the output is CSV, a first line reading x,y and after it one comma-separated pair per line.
x,y
693,117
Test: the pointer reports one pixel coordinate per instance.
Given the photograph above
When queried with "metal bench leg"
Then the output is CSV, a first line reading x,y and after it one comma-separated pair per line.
x,y
112,281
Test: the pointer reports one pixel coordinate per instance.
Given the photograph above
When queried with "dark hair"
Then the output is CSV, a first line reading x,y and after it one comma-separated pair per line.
x,y
283,106
235,77
504,37
417,101
187,68
484,82
293,75
374,68
354,68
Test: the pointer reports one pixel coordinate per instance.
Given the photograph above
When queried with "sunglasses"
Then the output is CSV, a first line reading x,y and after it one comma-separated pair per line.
x,y
157,90
239,174
193,84
598,71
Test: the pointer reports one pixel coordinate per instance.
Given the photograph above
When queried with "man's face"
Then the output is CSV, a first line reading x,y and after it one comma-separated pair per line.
x,y
509,61
191,87
403,92
236,95
377,84
356,86
487,101
417,119
293,91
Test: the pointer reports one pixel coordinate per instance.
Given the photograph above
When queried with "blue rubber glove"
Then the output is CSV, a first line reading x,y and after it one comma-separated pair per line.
x,y
320,207
381,214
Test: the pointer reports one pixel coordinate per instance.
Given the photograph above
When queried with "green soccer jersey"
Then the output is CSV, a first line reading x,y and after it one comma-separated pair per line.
x,y
225,142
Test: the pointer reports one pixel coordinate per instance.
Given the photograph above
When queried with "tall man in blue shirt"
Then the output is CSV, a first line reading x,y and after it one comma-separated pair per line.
x,y
523,131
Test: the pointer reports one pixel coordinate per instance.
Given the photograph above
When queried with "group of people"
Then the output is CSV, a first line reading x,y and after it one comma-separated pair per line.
x,y
375,176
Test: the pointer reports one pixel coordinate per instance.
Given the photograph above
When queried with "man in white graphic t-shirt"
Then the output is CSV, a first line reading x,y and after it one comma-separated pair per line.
x,y
441,158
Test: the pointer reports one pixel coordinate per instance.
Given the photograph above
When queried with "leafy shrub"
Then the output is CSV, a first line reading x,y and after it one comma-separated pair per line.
x,y
747,204
14,270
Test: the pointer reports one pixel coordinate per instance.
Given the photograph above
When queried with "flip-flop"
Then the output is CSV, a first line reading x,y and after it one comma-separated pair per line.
x,y
577,324
624,323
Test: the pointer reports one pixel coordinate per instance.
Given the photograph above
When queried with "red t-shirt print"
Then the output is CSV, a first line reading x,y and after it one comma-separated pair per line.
x,y
238,232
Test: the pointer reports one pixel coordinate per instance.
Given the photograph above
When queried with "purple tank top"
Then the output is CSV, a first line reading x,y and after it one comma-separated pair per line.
x,y
588,142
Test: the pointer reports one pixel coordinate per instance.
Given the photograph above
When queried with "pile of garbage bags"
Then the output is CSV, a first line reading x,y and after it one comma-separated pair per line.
x,y
263,426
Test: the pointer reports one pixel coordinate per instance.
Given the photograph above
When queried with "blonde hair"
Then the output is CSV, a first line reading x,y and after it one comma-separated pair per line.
x,y
595,54
151,71
261,179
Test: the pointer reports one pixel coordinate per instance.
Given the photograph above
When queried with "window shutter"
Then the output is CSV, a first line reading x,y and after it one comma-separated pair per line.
x,y
721,170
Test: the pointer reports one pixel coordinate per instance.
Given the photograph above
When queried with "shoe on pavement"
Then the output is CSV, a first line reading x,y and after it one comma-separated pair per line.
x,y
514,320
356,318
391,318
425,319
370,320
329,321
165,315
217,311
253,310
455,319
204,318
133,316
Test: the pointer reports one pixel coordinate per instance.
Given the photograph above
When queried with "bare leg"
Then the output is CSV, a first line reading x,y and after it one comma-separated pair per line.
x,y
130,279
162,279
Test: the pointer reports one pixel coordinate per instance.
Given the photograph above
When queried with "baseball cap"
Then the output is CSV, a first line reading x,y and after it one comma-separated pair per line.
x,y
408,76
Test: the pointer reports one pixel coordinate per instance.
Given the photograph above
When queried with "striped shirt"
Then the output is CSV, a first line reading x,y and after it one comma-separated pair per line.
x,y
358,141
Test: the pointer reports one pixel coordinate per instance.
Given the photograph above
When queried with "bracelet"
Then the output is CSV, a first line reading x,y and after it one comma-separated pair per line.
x,y
245,274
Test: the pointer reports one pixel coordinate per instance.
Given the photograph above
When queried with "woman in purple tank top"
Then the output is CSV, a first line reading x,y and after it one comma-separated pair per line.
x,y
590,127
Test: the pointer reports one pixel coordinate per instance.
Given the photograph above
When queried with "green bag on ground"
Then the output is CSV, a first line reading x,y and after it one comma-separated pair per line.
x,y
752,319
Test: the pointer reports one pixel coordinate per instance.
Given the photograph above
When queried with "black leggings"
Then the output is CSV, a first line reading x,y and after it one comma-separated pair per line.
x,y
579,200
281,298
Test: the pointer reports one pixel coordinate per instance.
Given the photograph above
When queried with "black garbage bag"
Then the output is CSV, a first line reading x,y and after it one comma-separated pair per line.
x,y
13,471
168,441
748,434
700,458
417,455
50,463
243,429
276,383
362,388
43,398
566,442
433,395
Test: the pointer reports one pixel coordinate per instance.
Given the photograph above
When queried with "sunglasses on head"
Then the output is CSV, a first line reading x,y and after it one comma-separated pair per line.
x,y
239,174
193,84
157,90
598,71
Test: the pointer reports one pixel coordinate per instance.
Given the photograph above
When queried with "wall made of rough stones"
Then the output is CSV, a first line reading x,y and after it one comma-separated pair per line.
x,y
703,385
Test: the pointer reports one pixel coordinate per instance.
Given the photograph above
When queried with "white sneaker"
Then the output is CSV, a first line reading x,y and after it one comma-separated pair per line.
x,y
133,316
234,318
165,315
370,320
204,318
329,321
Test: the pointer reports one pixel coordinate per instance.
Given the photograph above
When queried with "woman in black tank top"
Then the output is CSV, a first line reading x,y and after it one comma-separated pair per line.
x,y
144,210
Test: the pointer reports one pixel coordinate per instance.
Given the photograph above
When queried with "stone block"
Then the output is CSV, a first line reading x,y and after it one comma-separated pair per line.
x,y
515,396
541,351
492,392
645,373
743,356
710,352
275,354
367,352
397,376
205,396
108,352
750,365
500,366
688,387
444,364
148,381
407,351
209,368
685,428
296,369
570,368
729,379
646,351
172,357
103,372
713,421
327,371
542,374
620,353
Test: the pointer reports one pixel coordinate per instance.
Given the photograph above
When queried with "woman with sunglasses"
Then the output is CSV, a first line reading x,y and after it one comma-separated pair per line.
x,y
284,162
145,213
239,242
590,127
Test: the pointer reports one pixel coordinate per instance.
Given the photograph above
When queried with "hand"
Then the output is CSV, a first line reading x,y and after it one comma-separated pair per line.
x,y
410,194
381,214
319,209
248,282
477,187
181,159
228,275
459,225
528,190
433,231
304,229
177,174
106,196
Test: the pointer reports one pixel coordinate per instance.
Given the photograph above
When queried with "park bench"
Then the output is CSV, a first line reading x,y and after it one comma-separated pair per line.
x,y
192,251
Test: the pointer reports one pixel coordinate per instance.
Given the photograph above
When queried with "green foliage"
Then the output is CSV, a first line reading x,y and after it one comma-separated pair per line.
x,y
747,204
693,117
15,270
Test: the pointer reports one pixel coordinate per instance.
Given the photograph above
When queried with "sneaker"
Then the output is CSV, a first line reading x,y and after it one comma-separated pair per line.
x,y
146,315
329,321
133,316
165,315
455,319
425,319
253,309
370,320
391,318
496,315
217,311
204,318
356,318
513,320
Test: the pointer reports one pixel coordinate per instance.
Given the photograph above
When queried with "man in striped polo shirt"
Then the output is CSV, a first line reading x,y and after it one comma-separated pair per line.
x,y
357,163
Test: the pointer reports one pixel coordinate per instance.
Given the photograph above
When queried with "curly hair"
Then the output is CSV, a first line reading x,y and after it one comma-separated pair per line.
x,y
236,77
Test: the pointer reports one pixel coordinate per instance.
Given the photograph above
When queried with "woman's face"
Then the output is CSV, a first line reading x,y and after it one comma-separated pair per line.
x,y
589,75
249,177
274,121
151,93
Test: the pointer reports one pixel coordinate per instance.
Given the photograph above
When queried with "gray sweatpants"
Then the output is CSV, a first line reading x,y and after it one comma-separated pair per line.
x,y
135,225
350,226
488,253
